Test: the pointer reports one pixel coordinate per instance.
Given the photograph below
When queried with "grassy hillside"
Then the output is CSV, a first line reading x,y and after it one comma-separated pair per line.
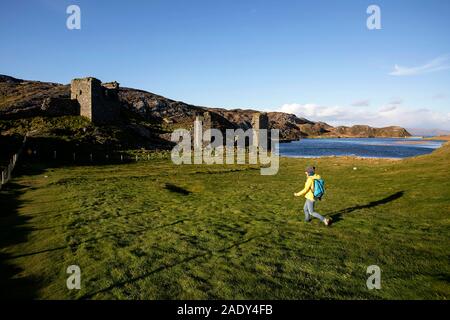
x,y
151,230
77,130
25,94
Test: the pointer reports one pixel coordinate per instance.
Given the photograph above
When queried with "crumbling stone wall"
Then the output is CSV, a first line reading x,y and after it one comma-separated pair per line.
x,y
57,107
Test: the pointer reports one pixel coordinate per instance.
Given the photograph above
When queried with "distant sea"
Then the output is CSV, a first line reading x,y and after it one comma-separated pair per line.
x,y
359,147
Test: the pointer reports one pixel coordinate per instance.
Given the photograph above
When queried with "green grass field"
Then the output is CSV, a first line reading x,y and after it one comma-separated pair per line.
x,y
153,230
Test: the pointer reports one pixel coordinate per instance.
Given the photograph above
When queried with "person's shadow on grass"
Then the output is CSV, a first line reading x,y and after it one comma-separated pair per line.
x,y
337,215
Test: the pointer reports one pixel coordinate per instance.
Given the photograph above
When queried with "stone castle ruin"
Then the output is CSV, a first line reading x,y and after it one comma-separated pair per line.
x,y
259,121
98,102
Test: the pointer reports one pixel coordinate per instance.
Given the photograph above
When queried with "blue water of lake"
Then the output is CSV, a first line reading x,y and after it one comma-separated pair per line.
x,y
359,147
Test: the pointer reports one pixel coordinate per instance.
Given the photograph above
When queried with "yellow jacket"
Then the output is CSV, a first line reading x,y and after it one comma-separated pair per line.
x,y
308,190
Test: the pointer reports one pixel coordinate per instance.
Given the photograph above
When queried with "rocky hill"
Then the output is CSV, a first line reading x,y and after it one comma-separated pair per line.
x,y
147,118
364,131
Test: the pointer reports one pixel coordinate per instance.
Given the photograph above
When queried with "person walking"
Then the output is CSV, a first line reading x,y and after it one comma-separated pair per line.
x,y
308,192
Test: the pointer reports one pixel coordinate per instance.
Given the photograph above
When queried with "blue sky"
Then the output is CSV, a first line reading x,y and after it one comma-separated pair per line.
x,y
313,58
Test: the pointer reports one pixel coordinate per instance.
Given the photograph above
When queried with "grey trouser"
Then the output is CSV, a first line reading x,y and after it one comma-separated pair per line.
x,y
309,211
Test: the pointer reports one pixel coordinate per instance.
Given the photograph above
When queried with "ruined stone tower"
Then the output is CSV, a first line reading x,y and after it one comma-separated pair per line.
x,y
97,102
204,119
260,121
207,125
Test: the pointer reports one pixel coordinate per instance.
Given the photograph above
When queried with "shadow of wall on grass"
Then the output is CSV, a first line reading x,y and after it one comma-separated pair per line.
x,y
13,231
14,228
337,215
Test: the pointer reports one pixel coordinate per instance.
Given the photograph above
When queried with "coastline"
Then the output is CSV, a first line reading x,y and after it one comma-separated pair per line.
x,y
442,138
445,139
348,157
344,137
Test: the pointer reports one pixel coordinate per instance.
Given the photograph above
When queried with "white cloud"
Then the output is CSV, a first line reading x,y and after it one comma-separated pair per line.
x,y
388,108
396,101
383,116
440,96
361,103
437,64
